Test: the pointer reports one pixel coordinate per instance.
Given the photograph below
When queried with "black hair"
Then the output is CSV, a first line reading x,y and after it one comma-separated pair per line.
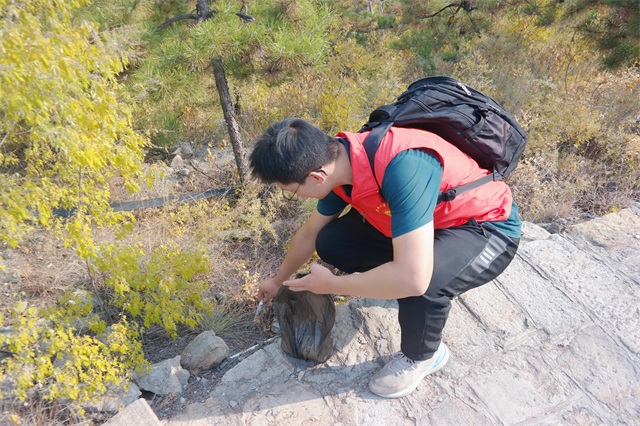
x,y
289,150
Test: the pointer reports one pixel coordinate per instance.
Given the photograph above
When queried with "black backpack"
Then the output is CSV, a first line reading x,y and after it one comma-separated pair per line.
x,y
472,121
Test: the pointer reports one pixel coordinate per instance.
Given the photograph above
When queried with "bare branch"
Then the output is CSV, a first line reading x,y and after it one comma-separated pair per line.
x,y
246,18
177,18
202,7
465,5
443,9
4,138
204,12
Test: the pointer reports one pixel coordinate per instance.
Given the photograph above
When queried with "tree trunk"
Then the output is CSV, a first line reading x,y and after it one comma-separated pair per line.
x,y
230,119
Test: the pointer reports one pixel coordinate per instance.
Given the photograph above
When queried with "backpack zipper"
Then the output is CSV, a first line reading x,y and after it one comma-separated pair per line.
x,y
463,87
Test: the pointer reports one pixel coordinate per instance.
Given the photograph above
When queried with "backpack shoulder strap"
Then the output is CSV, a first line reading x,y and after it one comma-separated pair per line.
x,y
452,193
372,143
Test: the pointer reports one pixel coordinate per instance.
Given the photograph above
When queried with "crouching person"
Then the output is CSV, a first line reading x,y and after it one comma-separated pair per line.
x,y
404,244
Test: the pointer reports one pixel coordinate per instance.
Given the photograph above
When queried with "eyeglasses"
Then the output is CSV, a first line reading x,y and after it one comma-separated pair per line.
x,y
293,196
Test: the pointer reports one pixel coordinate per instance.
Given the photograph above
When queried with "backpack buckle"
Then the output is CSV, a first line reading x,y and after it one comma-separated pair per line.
x,y
448,195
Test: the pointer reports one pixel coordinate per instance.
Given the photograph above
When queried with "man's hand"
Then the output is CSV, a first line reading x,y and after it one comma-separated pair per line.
x,y
268,289
300,250
319,281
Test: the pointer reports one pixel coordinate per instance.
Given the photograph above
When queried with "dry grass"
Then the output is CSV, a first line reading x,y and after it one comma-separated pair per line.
x,y
36,412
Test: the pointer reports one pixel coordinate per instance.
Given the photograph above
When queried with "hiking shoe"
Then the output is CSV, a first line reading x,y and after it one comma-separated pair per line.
x,y
402,375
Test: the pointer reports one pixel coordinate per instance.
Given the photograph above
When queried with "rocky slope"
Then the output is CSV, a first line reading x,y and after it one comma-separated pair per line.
x,y
555,339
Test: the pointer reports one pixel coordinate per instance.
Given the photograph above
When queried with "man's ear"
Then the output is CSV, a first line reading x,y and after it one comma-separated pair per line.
x,y
319,177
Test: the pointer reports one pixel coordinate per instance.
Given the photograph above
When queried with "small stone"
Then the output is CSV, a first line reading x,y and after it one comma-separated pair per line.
x,y
177,162
233,404
184,172
185,150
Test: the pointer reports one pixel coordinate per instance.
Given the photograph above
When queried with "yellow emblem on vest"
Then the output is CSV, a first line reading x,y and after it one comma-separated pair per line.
x,y
383,209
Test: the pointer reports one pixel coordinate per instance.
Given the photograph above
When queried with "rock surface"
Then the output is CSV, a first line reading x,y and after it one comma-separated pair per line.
x,y
115,399
553,340
165,378
139,414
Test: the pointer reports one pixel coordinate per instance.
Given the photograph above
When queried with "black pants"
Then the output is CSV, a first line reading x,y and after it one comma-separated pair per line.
x,y
465,257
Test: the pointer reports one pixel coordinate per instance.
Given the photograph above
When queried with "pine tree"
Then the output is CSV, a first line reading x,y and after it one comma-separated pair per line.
x,y
270,38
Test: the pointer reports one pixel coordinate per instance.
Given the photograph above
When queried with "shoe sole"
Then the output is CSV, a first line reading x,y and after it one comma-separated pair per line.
x,y
441,362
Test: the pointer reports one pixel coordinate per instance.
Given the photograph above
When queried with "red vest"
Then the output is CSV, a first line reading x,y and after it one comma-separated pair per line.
x,y
490,202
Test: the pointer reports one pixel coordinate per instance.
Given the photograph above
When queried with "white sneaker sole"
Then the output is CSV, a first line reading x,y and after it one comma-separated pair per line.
x,y
440,362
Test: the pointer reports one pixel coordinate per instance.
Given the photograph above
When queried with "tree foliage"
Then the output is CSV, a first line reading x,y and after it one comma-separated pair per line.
x,y
285,38
64,128
65,131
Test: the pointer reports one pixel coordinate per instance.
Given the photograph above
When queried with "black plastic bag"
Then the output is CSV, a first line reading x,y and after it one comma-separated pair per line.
x,y
306,320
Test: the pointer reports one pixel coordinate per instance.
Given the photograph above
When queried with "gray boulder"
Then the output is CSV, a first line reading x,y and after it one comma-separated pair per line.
x,y
532,232
204,352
